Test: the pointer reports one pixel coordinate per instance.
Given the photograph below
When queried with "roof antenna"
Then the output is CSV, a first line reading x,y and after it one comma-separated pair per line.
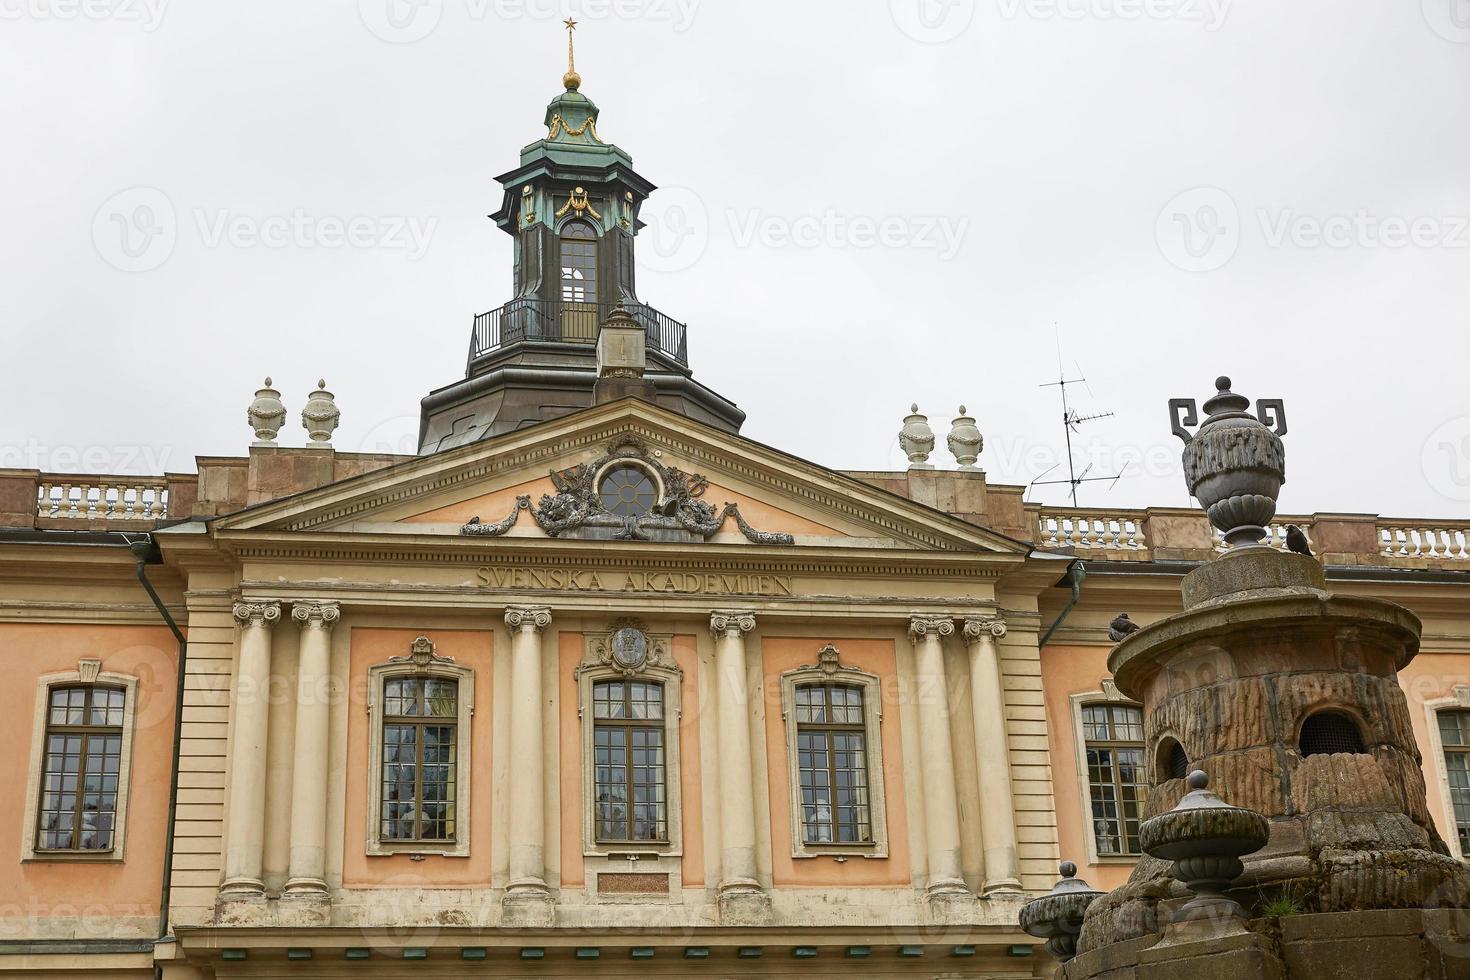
x,y
1072,420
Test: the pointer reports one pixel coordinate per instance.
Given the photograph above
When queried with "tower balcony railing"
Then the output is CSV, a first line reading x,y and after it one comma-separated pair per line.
x,y
567,322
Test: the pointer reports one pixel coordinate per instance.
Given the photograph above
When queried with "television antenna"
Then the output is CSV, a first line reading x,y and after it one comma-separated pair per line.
x,y
1072,421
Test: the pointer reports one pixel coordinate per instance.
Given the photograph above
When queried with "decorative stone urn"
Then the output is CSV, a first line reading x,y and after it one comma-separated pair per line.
x,y
266,415
321,416
1057,916
1205,837
1235,465
916,439
965,442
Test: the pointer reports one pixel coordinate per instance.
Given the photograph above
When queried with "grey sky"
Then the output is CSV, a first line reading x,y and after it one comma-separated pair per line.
x,y
863,207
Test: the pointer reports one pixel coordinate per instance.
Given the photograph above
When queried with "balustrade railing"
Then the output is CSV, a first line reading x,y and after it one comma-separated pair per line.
x,y
1093,530
102,498
1436,540
571,323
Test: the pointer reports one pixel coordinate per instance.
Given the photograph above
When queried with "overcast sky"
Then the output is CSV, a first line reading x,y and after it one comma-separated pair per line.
x,y
864,204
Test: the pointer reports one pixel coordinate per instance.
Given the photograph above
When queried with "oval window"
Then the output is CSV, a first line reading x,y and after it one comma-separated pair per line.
x,y
628,491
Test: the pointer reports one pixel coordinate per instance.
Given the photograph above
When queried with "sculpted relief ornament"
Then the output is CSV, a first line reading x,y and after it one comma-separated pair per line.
x,y
629,649
675,512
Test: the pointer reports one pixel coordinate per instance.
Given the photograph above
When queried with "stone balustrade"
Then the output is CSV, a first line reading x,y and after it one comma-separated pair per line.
x,y
108,499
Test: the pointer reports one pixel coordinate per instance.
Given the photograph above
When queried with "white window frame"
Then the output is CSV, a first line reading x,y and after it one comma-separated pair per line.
x,y
89,673
422,661
1108,694
632,857
829,669
1458,701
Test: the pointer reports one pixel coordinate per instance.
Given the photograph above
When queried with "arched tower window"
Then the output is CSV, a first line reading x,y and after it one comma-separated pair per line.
x,y
1330,732
578,263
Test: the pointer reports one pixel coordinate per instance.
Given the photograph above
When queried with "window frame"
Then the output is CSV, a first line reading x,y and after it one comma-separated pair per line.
x,y
422,662
830,671
658,667
629,724
89,673
1459,700
1109,695
587,285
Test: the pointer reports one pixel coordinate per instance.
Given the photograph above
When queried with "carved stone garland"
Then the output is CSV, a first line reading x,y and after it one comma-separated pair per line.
x,y
577,504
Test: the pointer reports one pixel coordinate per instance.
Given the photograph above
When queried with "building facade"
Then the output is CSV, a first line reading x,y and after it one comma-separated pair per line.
x,y
593,685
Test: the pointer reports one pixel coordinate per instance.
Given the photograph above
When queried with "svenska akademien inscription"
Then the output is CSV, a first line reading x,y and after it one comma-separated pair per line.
x,y
682,583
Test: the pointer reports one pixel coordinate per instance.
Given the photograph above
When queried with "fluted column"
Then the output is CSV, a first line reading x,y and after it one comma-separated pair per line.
x,y
309,772
941,808
244,847
992,750
737,802
527,883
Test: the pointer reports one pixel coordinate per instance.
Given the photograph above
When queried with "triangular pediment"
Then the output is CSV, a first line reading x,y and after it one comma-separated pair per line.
x,y
549,480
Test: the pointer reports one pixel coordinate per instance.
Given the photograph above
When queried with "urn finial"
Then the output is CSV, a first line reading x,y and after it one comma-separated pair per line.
x,y
1057,915
916,439
1235,464
265,415
966,442
321,416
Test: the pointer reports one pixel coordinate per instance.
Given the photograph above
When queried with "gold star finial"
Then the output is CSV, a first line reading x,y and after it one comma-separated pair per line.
x,y
571,79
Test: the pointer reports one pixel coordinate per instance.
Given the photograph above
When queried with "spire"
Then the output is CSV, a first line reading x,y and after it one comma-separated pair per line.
x,y
571,79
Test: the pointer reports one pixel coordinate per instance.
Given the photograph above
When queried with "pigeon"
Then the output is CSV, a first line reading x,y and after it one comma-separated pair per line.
x,y
473,521
1119,628
1297,541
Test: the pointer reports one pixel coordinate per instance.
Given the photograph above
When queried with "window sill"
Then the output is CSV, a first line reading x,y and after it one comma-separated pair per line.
x,y
1124,859
635,849
416,850
868,852
72,857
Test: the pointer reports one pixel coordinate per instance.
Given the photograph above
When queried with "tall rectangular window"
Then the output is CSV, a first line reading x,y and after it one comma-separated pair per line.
x,y
832,761
83,760
628,760
1117,784
420,749
1454,734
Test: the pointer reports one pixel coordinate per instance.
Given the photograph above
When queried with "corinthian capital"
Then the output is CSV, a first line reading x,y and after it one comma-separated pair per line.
x,y
922,626
257,612
726,622
532,618
979,627
321,614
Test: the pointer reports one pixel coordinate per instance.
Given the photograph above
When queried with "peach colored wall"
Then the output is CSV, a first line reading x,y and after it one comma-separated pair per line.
x,y
1066,671
573,869
778,655
1433,677
371,646
490,507
62,888
763,515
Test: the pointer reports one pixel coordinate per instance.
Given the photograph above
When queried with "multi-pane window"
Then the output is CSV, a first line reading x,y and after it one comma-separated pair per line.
x,y
420,748
578,263
1117,784
1454,734
83,760
832,762
628,761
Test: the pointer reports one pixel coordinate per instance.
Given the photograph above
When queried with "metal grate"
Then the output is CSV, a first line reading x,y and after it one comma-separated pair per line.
x,y
1176,761
1329,733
